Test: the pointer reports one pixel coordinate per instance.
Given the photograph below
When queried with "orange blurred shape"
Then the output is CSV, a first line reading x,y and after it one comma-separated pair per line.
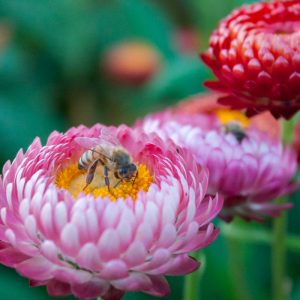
x,y
296,140
267,123
6,32
206,103
131,63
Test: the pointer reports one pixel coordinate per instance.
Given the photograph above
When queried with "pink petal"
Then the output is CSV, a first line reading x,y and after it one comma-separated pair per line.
x,y
36,268
159,287
69,239
134,282
109,245
10,256
88,257
89,290
57,288
136,254
183,264
114,269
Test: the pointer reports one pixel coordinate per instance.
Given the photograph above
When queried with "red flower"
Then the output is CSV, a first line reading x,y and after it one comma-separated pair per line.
x,y
255,54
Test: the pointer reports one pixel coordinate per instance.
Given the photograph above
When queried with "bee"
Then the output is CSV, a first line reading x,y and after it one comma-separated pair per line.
x,y
111,155
236,129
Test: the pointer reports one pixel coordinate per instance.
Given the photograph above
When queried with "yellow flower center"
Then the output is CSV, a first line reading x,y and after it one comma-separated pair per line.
x,y
227,116
74,180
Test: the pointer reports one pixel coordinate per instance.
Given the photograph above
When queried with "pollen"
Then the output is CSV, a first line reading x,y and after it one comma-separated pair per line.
x,y
226,116
74,180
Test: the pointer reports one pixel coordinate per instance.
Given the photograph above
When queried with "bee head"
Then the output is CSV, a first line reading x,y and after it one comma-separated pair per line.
x,y
237,130
127,172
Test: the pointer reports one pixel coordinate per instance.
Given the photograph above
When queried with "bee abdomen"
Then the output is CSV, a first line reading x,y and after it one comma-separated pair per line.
x,y
85,160
80,165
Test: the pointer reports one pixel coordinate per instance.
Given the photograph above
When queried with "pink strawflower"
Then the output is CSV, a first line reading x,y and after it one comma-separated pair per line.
x,y
249,171
78,243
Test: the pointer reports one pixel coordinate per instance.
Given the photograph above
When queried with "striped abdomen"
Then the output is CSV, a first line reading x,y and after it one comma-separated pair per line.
x,y
89,156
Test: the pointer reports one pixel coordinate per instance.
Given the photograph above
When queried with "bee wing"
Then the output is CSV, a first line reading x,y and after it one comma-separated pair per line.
x,y
90,143
87,142
107,138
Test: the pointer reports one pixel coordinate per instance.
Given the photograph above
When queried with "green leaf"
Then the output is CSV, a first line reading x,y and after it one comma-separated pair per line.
x,y
15,287
23,118
135,19
76,31
179,79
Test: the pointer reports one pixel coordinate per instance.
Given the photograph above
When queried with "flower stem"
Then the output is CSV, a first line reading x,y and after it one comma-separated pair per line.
x,y
288,130
237,270
279,232
257,236
278,257
192,281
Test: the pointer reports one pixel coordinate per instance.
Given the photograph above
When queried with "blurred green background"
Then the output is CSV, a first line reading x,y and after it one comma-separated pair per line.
x,y
54,74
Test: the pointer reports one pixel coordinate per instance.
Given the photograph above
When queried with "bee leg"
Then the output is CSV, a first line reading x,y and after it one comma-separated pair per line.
x,y
106,178
91,172
136,175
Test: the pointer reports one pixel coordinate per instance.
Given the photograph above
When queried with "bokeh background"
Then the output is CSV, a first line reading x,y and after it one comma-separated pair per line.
x,y
67,62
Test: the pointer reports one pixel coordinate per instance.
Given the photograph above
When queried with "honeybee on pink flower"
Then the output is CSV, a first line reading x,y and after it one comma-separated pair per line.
x,y
91,242
110,155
